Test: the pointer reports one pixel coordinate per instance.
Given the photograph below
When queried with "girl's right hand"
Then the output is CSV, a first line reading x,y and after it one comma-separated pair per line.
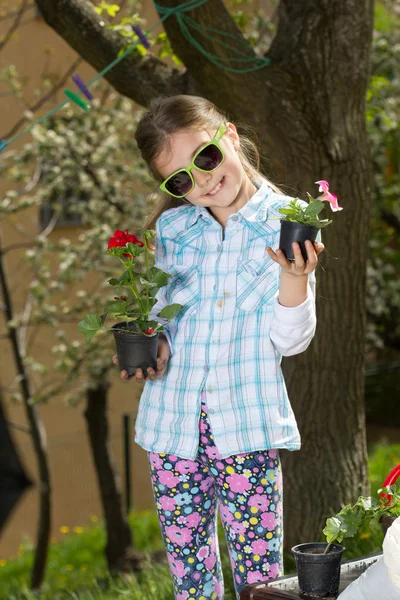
x,y
163,354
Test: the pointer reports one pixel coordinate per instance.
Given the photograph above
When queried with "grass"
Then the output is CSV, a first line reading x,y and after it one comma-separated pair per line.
x,y
76,567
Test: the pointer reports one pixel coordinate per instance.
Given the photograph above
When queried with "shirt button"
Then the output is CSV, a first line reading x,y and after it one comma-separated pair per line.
x,y
215,287
206,368
211,411
178,281
235,218
209,326
219,248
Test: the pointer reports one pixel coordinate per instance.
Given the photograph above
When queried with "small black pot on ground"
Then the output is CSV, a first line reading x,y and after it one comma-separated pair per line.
x,y
135,351
295,232
318,573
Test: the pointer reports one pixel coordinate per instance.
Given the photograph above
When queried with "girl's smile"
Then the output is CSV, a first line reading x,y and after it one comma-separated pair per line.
x,y
217,188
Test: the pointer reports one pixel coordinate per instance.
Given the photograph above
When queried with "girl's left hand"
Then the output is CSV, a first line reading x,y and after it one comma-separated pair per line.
x,y
299,266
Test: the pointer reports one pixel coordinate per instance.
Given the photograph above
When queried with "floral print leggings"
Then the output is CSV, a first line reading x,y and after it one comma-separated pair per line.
x,y
248,490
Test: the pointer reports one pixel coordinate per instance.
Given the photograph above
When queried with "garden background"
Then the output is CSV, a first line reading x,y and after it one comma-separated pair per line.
x,y
65,186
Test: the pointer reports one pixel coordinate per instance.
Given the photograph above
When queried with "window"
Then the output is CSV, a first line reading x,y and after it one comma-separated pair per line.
x,y
67,217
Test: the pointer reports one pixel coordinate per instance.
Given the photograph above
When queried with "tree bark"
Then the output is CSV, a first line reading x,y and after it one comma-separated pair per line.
x,y
38,434
120,553
308,110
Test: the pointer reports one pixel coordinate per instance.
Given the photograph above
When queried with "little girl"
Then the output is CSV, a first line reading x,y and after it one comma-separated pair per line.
x,y
214,414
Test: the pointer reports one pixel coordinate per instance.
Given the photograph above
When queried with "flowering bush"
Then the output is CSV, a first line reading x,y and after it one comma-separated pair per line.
x,y
142,289
309,215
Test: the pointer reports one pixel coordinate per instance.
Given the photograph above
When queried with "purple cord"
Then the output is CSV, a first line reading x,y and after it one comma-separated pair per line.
x,y
141,36
81,85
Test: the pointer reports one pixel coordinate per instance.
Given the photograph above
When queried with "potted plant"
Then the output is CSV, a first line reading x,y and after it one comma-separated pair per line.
x,y
301,223
136,335
393,509
318,563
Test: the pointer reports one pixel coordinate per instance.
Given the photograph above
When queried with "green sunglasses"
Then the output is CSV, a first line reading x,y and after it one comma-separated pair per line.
x,y
207,159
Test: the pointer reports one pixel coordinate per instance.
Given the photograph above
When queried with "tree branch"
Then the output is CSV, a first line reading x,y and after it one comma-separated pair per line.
x,y
35,107
15,25
137,77
14,13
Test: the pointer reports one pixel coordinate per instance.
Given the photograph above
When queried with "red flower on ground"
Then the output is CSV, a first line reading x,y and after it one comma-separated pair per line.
x,y
121,238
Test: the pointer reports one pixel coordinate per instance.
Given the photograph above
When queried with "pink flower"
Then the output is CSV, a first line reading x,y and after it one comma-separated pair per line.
x,y
167,503
218,588
155,460
328,196
238,483
180,536
203,427
254,577
186,466
206,484
167,478
177,566
203,553
269,521
210,561
226,515
238,528
183,596
273,571
181,520
193,520
213,453
260,547
261,502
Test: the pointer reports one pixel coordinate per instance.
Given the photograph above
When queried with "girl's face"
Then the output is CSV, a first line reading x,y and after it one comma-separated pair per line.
x,y
224,188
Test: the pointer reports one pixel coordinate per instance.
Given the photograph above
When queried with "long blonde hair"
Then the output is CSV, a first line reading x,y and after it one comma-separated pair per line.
x,y
165,117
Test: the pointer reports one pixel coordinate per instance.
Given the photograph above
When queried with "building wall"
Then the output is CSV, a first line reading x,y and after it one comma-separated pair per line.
x,y
75,492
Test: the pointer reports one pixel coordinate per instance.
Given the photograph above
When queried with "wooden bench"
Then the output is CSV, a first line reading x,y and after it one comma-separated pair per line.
x,y
286,587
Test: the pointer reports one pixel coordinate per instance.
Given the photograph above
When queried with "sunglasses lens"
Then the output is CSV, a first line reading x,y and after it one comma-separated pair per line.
x,y
180,184
209,158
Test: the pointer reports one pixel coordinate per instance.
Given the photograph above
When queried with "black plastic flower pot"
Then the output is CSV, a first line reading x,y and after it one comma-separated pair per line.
x,y
318,574
134,351
295,232
386,521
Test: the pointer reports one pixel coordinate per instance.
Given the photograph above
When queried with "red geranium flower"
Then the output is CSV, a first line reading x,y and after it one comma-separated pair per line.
x,y
121,238
149,331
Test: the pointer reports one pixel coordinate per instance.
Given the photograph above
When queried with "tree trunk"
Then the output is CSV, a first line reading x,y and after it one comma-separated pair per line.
x,y
308,111
120,554
38,434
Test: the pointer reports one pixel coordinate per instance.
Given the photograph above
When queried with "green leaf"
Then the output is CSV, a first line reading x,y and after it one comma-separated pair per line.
x,y
169,312
332,530
117,306
323,223
90,325
314,208
155,277
367,503
134,249
113,281
287,211
350,521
